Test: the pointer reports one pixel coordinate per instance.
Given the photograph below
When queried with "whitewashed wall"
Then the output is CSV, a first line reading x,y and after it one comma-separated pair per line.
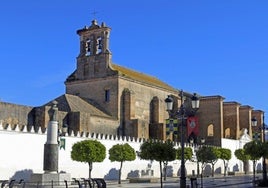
x,y
22,154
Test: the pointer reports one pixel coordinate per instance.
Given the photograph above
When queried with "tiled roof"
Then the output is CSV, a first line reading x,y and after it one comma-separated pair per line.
x,y
128,73
73,103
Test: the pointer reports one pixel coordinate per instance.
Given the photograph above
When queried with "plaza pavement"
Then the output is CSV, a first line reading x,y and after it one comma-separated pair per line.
x,y
208,182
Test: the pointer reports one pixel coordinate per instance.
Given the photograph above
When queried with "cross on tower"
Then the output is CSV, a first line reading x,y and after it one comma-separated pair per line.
x,y
94,14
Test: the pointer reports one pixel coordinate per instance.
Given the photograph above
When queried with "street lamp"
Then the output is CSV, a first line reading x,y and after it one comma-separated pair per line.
x,y
181,114
263,128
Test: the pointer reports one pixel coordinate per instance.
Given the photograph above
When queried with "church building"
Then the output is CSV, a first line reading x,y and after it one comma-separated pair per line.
x,y
105,98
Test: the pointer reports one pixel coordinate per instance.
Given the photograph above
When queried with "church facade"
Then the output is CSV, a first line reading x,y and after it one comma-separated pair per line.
x,y
105,98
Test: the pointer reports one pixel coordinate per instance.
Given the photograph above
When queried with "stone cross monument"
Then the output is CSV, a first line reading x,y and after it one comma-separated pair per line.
x,y
51,151
51,155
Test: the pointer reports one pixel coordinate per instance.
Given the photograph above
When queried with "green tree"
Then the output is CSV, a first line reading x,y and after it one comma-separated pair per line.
x,y
188,153
121,153
158,151
225,156
217,153
242,156
255,151
88,151
207,154
202,157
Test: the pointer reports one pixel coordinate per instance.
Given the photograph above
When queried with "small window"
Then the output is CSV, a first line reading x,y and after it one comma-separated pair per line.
x,y
107,95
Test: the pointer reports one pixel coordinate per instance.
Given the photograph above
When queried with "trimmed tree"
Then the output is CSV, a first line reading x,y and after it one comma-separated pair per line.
x,y
158,151
225,156
188,153
242,156
205,155
217,153
88,151
121,153
255,150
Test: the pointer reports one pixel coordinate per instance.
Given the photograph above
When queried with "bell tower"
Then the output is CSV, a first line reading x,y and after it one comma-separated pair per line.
x,y
94,57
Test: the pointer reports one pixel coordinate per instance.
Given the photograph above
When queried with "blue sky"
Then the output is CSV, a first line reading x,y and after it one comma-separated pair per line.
x,y
212,47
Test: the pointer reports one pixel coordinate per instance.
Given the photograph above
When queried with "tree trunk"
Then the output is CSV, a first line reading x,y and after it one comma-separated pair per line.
x,y
254,172
212,170
161,174
264,170
203,165
224,167
90,165
120,171
165,170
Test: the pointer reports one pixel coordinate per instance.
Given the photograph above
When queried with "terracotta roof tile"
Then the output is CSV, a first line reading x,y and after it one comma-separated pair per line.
x,y
128,73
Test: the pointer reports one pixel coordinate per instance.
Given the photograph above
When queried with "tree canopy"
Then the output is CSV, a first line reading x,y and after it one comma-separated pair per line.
x,y
225,154
206,154
241,155
188,153
122,152
254,149
88,151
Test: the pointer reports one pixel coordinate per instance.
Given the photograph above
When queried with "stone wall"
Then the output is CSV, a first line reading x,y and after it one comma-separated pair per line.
x,y
245,118
95,89
146,104
16,115
211,119
231,120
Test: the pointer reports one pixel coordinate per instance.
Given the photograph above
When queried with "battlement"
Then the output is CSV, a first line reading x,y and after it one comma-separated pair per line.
x,y
91,135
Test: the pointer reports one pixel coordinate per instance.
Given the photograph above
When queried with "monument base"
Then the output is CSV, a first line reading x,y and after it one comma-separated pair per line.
x,y
48,179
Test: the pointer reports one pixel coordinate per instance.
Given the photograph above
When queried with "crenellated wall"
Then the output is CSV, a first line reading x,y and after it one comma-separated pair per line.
x,y
22,154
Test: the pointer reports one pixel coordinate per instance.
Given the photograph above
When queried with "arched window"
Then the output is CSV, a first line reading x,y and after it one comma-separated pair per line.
x,y
88,47
211,130
227,133
99,45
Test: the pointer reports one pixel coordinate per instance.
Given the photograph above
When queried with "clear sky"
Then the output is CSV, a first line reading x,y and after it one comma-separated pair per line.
x,y
211,47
